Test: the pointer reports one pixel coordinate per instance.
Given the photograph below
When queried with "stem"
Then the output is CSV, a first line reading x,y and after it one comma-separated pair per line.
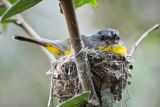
x,y
27,28
51,93
142,37
81,60
72,24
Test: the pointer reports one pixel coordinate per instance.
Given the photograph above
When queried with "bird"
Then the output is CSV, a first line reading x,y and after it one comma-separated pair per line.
x,y
105,40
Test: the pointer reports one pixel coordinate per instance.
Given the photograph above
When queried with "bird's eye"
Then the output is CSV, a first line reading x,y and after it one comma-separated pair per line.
x,y
115,37
102,37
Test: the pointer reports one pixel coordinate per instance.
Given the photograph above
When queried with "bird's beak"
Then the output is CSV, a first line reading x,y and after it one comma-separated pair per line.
x,y
117,41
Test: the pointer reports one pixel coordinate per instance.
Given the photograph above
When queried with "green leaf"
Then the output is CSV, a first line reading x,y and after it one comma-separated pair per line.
x,y
12,1
19,6
76,101
9,21
4,24
79,3
2,10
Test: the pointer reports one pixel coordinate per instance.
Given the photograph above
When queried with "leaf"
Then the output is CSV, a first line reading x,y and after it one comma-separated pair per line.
x,y
2,10
77,100
9,21
12,1
3,27
79,3
19,6
4,24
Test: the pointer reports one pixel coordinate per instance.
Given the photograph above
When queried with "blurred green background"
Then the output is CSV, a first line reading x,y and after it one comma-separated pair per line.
x,y
23,82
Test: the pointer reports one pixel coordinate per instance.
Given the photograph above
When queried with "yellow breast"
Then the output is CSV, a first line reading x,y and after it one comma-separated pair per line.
x,y
117,49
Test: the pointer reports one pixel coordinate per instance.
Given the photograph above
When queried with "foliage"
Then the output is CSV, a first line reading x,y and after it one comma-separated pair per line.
x,y
2,10
19,6
12,1
3,24
79,3
22,5
76,101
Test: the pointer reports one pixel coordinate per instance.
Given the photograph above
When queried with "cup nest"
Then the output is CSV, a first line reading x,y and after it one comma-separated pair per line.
x,y
108,71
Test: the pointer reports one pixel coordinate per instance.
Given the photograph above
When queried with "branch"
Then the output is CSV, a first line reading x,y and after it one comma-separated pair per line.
x,y
27,28
142,37
50,100
81,59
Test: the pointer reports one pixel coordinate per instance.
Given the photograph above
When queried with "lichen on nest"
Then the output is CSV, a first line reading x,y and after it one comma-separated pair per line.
x,y
106,68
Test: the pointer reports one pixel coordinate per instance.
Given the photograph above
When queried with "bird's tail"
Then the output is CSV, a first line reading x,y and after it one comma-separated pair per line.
x,y
32,40
53,48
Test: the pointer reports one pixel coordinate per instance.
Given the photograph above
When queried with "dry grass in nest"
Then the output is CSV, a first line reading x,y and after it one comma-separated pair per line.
x,y
109,71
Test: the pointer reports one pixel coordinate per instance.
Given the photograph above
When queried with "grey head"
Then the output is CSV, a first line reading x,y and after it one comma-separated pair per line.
x,y
104,37
109,34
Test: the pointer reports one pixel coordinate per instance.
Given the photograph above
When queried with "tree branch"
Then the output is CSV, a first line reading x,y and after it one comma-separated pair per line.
x,y
142,37
81,59
27,28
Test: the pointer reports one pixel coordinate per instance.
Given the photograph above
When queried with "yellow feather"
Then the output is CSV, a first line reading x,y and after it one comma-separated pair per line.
x,y
117,49
68,52
55,51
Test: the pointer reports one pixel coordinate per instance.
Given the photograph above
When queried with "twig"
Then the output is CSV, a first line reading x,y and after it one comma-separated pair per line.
x,y
81,59
144,35
27,28
50,93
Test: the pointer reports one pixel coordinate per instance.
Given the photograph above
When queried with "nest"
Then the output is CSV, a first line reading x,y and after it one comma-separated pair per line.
x,y
106,68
